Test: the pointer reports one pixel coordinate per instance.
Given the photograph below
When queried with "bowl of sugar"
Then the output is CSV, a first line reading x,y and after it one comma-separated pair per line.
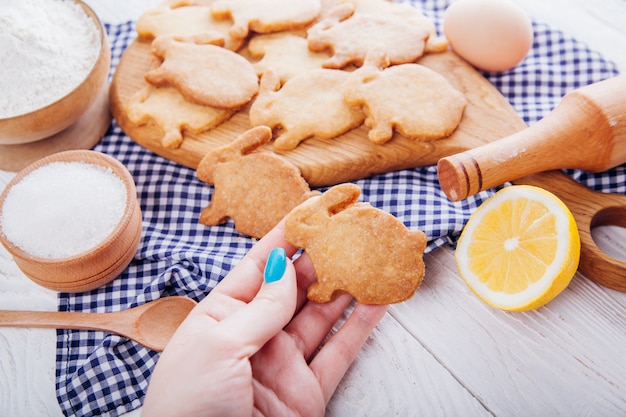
x,y
55,66
71,220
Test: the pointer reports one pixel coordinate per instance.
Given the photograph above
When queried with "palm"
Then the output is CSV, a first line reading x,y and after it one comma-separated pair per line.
x,y
291,374
281,376
287,379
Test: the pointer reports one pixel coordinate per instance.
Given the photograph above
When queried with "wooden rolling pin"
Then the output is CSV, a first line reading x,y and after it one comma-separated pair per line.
x,y
586,130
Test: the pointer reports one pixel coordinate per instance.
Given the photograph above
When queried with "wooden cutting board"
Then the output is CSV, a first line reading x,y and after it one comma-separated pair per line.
x,y
351,156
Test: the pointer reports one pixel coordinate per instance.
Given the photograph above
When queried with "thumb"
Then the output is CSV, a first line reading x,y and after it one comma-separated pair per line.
x,y
270,310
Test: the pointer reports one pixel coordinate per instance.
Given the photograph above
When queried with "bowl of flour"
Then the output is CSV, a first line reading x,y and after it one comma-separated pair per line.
x,y
55,63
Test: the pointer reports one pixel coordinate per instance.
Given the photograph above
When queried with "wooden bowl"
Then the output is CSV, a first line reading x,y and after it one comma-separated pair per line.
x,y
62,113
97,266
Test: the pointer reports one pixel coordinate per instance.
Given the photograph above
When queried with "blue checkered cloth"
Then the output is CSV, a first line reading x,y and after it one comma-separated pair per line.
x,y
104,374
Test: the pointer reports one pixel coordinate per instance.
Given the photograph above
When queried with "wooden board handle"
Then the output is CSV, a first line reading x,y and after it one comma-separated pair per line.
x,y
587,130
590,209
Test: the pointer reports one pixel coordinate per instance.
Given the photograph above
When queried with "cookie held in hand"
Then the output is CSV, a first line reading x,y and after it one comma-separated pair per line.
x,y
356,248
255,189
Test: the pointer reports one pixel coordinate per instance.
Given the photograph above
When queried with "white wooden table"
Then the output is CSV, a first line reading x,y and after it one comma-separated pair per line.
x,y
443,352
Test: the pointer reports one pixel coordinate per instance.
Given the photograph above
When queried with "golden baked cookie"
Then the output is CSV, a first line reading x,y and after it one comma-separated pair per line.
x,y
265,16
286,53
309,105
410,98
403,12
356,248
204,74
188,22
255,189
175,116
351,35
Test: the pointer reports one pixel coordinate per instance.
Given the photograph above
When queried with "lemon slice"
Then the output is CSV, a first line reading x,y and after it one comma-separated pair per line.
x,y
520,248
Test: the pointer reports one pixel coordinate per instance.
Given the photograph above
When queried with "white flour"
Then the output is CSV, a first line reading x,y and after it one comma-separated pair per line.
x,y
47,47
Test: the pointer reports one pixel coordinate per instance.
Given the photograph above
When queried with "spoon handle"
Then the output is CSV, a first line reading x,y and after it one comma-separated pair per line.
x,y
61,320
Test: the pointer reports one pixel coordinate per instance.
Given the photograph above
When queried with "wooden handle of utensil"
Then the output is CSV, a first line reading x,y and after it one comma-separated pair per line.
x,y
587,130
57,320
590,209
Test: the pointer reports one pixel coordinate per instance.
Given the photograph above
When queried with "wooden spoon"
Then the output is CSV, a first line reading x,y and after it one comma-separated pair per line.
x,y
151,324
587,130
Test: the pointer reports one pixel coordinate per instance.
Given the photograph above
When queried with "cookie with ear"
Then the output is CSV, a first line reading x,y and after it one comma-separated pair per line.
x,y
356,248
410,98
169,110
265,16
184,21
286,53
255,189
324,115
350,34
204,74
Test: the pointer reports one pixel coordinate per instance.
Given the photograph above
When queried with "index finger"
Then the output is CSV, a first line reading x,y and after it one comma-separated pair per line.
x,y
244,280
335,357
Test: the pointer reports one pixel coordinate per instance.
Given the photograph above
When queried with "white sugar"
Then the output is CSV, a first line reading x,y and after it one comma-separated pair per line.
x,y
63,209
47,48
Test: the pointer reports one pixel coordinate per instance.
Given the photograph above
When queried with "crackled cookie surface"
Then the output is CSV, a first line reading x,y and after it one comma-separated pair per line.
x,y
255,189
356,248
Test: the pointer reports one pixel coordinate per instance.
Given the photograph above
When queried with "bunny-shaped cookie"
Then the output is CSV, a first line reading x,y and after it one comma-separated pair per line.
x,y
255,189
324,116
410,98
356,248
350,32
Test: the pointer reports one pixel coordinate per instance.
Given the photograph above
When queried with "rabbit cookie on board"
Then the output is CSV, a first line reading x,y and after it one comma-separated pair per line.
x,y
356,248
325,116
350,32
255,189
411,98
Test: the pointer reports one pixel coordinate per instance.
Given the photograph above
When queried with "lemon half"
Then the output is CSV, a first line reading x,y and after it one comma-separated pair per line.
x,y
519,249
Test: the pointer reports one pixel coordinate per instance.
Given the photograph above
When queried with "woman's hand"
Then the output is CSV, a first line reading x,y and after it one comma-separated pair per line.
x,y
252,346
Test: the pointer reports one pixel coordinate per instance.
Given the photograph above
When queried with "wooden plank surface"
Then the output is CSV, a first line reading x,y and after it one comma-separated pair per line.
x,y
443,352
529,364
395,375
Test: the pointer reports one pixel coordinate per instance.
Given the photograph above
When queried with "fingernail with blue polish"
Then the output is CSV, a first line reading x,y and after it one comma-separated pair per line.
x,y
275,266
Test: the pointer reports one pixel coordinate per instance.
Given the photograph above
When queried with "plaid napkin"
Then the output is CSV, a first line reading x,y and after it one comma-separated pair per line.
x,y
100,373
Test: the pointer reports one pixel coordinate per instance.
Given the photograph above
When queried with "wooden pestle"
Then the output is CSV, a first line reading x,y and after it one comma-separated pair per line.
x,y
586,130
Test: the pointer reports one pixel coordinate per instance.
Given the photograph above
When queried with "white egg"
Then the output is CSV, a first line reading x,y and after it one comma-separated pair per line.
x,y
492,35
